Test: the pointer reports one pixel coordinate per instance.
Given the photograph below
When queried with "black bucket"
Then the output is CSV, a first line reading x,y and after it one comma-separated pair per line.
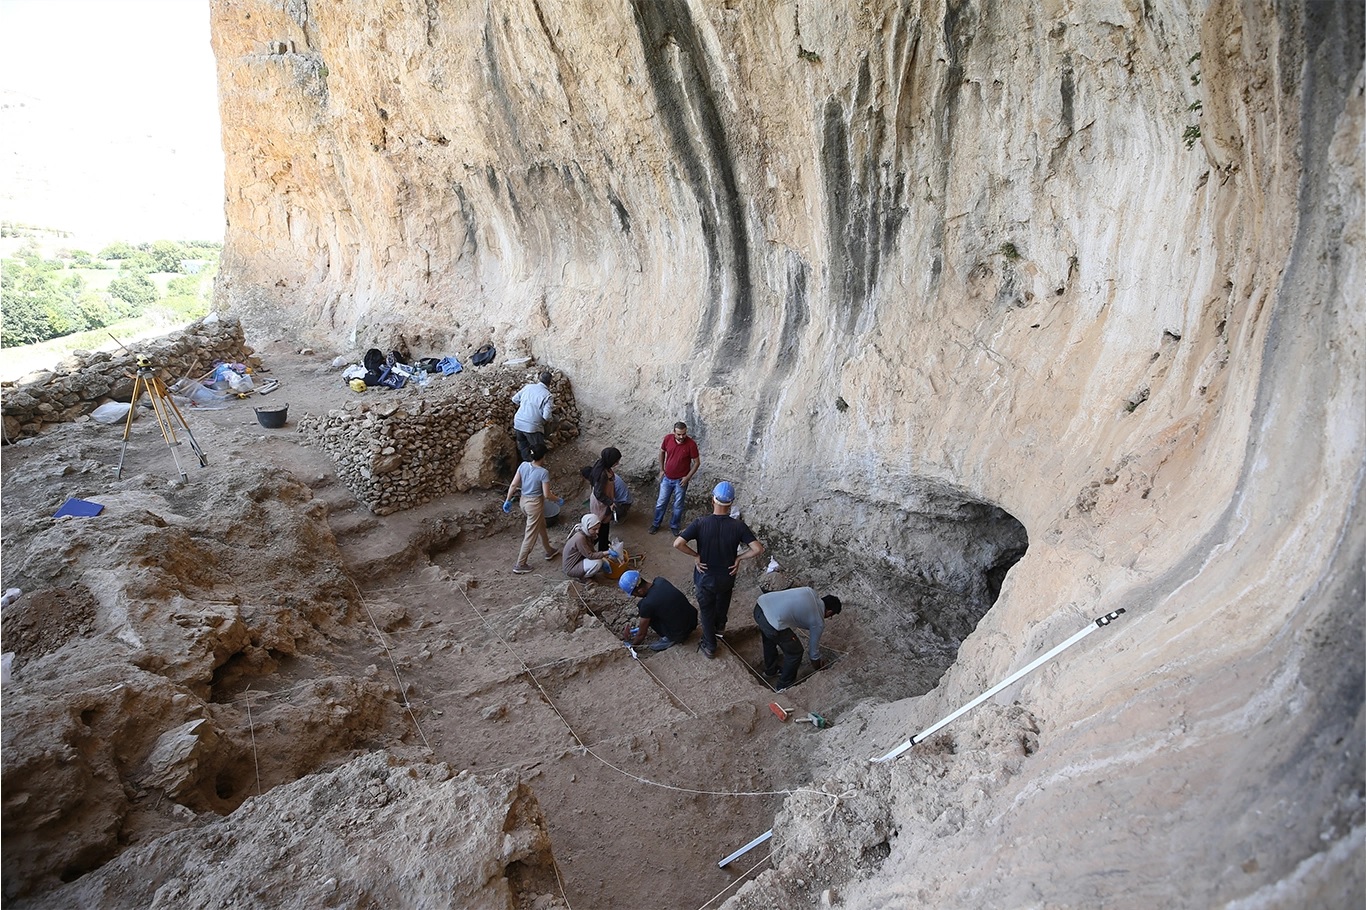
x,y
272,418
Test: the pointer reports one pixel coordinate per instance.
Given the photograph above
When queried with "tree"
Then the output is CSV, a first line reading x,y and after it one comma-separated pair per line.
x,y
140,263
29,296
134,289
184,286
166,256
117,250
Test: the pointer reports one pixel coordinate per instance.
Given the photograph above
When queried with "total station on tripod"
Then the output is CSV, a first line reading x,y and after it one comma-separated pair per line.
x,y
168,416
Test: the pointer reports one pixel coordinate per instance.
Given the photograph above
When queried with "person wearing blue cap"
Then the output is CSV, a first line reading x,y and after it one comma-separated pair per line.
x,y
718,538
662,606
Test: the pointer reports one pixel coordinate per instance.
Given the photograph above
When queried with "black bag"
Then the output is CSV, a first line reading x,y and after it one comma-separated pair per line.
x,y
429,365
484,355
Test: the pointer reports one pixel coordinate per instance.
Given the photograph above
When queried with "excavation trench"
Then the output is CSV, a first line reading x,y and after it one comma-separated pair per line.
x,y
408,633
666,757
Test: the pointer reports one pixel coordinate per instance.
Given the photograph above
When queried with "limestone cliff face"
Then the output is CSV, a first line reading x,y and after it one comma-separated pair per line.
x,y
1098,263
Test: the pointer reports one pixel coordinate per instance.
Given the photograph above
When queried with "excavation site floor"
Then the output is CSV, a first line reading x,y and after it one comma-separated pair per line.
x,y
649,767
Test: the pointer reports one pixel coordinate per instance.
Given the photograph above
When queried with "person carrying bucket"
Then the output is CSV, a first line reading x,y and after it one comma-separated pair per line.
x,y
533,480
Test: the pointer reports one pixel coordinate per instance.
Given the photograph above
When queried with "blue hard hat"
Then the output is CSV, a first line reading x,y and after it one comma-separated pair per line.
x,y
724,492
628,581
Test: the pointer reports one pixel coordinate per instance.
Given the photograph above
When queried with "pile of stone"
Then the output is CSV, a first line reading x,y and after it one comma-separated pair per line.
x,y
87,379
398,450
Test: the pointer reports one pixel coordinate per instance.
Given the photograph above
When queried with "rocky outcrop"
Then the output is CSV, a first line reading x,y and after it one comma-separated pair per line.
x,y
482,843
1096,264
130,705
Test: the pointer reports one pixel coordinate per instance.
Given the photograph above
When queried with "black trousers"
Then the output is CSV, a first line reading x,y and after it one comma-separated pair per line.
x,y
525,441
776,640
713,604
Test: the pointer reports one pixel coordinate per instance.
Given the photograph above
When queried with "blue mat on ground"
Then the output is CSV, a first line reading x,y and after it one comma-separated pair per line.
x,y
81,508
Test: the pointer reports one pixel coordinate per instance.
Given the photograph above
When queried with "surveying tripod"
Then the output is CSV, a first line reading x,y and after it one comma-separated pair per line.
x,y
164,409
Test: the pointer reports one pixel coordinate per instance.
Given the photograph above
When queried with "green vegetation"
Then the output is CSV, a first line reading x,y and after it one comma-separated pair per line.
x,y
1191,135
1009,251
46,297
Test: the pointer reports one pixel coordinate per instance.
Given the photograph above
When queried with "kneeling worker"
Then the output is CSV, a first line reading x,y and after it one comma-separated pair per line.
x,y
578,559
662,604
778,613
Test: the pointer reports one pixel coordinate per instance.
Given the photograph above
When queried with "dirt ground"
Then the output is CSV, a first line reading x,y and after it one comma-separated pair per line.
x,y
650,767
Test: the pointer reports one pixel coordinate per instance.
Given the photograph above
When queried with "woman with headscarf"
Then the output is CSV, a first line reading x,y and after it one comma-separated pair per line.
x,y
602,480
580,559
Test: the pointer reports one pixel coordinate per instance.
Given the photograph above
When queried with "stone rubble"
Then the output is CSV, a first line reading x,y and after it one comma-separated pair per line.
x,y
397,449
87,379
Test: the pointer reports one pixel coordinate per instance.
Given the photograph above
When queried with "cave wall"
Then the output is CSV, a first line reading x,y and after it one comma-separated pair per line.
x,y
1097,263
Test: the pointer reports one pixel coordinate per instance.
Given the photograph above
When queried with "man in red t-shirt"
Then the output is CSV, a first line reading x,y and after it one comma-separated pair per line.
x,y
678,461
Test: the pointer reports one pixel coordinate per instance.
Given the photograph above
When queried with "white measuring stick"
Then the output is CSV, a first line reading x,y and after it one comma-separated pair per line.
x,y
746,848
923,734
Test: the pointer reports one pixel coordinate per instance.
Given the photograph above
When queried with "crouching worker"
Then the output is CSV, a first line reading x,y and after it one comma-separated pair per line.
x,y
777,614
579,559
663,607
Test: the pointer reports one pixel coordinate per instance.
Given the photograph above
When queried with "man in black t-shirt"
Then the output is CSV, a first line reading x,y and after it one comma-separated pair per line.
x,y
719,538
662,606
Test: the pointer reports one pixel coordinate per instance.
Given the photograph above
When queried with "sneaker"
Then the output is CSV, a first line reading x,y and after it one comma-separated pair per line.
x,y
675,532
662,645
520,570
550,556
654,529
708,653
770,671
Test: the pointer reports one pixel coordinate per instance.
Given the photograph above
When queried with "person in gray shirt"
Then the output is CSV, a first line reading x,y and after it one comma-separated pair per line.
x,y
534,405
777,614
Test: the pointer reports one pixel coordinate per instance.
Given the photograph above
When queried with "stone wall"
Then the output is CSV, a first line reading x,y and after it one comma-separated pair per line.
x,y
88,379
401,449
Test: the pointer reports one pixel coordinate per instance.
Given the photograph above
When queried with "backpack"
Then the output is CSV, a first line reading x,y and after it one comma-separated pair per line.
x,y
392,379
484,355
373,361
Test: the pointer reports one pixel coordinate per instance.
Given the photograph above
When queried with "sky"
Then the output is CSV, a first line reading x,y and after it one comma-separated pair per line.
x,y
109,121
